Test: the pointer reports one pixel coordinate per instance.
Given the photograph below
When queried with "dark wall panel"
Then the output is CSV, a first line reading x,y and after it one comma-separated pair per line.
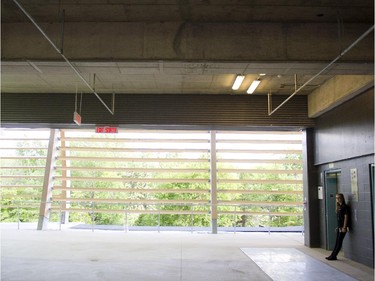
x,y
358,243
347,131
202,110
344,139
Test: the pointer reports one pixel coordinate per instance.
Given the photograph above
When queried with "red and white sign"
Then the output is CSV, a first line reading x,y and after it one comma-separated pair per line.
x,y
77,118
106,130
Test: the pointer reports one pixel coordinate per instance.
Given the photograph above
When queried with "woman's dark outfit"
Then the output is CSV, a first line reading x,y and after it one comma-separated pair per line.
x,y
343,210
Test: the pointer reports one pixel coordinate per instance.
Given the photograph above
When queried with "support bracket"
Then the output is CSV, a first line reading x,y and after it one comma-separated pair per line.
x,y
270,111
62,55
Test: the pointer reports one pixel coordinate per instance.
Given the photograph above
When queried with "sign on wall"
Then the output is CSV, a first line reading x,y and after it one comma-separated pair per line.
x,y
354,183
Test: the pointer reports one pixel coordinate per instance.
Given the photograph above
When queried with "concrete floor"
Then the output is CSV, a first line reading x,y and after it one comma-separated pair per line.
x,y
30,255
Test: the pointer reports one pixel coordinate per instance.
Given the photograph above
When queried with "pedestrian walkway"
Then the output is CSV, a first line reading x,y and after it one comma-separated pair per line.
x,y
84,255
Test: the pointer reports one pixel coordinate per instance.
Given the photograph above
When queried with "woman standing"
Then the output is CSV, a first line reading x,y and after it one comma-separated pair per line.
x,y
342,225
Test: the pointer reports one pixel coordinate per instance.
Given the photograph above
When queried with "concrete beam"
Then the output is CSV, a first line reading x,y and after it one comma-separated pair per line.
x,y
336,91
257,42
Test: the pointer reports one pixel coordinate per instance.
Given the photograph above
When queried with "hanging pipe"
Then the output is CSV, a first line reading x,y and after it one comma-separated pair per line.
x,y
62,55
324,69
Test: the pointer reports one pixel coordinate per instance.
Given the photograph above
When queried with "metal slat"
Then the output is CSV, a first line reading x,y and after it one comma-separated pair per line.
x,y
21,177
123,211
151,170
133,190
146,140
22,167
23,139
23,157
23,148
19,186
260,181
118,159
132,179
258,203
258,151
272,161
240,213
270,192
133,201
116,149
259,171
264,141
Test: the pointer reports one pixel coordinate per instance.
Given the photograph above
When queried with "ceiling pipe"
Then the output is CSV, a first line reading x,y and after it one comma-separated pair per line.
x,y
62,55
320,72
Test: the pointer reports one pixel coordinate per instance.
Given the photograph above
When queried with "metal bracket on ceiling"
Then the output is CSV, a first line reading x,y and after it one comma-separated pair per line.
x,y
113,103
62,31
270,111
62,55
270,95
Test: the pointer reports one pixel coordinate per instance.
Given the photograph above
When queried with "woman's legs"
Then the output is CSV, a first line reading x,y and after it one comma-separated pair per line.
x,y
339,239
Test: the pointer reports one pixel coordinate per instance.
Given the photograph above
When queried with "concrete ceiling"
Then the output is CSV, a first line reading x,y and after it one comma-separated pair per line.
x,y
182,46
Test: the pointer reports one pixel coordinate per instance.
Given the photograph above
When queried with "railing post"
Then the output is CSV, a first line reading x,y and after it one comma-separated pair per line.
x,y
213,182
158,207
269,220
191,218
18,215
235,218
126,218
92,216
61,216
45,205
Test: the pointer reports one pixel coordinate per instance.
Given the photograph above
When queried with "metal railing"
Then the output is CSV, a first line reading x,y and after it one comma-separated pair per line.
x,y
156,209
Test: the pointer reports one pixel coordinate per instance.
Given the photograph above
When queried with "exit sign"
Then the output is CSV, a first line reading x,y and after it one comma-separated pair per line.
x,y
106,130
77,118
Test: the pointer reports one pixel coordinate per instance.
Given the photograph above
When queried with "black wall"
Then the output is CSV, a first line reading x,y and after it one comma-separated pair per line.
x,y
310,196
344,139
138,110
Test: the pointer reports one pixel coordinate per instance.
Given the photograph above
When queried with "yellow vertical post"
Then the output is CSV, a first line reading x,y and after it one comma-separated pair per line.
x,y
65,193
45,203
213,182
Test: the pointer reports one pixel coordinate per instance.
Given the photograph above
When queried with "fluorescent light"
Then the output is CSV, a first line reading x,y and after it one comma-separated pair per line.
x,y
237,83
253,86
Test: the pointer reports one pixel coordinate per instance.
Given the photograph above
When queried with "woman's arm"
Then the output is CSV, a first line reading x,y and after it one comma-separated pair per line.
x,y
345,226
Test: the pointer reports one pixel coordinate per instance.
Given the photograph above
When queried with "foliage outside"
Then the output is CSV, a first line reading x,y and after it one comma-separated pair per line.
x,y
17,203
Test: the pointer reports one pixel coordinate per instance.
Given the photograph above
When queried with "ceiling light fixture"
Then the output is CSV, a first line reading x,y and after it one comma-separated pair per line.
x,y
253,86
237,83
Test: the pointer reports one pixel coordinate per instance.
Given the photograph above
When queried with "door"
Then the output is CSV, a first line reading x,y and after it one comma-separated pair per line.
x,y
332,183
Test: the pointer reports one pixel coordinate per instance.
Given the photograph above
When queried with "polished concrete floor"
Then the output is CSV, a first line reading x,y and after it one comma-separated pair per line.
x,y
30,255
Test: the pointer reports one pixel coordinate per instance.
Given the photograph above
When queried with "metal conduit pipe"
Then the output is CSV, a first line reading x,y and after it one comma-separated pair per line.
x,y
320,72
62,55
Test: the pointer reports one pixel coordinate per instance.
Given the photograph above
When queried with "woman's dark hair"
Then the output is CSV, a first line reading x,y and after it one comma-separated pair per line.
x,y
342,201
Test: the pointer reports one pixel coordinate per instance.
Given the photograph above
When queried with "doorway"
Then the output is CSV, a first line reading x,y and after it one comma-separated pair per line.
x,y
332,183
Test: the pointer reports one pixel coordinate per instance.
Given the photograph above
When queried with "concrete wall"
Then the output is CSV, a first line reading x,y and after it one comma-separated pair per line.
x,y
259,41
344,139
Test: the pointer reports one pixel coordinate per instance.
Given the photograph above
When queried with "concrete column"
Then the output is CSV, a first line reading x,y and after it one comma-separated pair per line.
x,y
45,204
213,181
310,191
